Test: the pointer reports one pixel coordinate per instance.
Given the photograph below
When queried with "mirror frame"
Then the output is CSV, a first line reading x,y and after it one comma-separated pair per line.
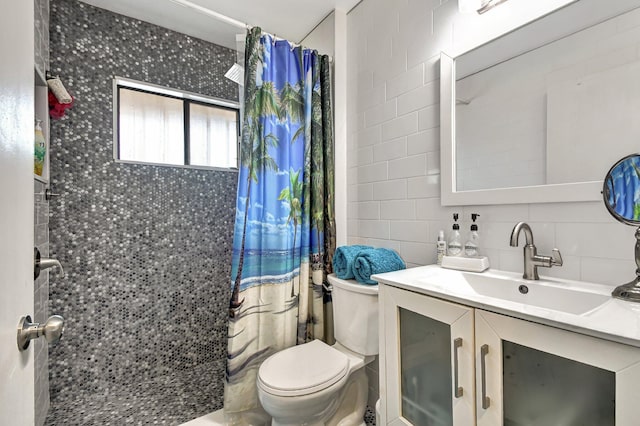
x,y
450,196
582,14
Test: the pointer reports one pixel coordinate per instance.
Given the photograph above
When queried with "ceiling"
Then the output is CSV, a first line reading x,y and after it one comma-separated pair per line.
x,y
289,19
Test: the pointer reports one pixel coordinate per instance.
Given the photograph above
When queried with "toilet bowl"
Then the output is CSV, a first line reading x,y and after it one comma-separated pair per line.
x,y
317,384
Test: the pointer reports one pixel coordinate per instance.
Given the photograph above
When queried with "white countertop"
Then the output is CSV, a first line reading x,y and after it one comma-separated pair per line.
x,y
614,319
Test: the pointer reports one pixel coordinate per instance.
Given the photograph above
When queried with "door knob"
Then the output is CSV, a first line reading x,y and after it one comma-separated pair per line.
x,y
51,330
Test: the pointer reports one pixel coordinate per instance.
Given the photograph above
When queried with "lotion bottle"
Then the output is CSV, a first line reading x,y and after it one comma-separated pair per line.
x,y
441,247
454,245
40,150
472,246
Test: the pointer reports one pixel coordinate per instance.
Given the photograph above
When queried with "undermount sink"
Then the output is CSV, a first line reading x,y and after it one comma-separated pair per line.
x,y
548,293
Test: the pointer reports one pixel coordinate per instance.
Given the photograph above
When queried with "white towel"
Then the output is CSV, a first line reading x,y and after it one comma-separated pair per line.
x,y
58,89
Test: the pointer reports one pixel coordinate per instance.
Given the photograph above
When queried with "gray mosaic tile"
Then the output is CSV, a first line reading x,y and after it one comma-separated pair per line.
x,y
183,394
147,249
40,305
370,416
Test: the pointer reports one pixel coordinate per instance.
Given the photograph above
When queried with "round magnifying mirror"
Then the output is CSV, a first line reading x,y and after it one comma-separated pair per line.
x,y
622,190
621,193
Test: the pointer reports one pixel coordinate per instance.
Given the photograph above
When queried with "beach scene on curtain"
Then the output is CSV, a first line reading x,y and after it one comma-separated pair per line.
x,y
278,252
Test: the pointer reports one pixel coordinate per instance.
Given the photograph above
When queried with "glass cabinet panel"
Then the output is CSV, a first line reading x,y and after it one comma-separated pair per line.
x,y
427,363
538,375
541,389
425,370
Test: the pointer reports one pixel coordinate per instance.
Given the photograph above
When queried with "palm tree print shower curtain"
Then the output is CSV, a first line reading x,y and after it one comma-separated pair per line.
x,y
284,235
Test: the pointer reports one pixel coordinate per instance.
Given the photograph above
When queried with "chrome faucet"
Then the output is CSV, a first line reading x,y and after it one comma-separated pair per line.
x,y
531,257
40,264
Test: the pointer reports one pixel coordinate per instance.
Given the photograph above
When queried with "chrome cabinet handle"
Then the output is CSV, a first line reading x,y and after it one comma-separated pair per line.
x,y
457,343
484,350
51,330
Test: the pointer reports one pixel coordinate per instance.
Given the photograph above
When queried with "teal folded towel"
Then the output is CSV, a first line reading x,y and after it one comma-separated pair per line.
x,y
343,260
375,261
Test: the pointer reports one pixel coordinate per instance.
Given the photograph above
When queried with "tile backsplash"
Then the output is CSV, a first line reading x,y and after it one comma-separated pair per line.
x,y
394,153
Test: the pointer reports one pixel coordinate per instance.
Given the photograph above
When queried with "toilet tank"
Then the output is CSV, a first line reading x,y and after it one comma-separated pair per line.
x,y
355,315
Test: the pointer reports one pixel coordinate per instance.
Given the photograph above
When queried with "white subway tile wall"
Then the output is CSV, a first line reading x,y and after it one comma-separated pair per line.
x,y
394,139
393,181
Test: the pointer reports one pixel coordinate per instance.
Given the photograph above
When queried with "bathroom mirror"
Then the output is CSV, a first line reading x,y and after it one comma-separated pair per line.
x,y
621,194
539,114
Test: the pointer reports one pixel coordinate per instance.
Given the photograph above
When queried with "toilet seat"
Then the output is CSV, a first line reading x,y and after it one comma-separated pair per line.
x,y
303,369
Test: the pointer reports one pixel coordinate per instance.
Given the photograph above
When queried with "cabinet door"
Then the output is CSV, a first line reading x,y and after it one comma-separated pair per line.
x,y
532,374
427,377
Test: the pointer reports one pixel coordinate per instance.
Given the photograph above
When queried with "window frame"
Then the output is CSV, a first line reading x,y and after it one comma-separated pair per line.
x,y
187,99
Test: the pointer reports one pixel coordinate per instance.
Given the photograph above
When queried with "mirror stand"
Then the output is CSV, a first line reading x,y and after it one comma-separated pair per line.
x,y
631,291
621,195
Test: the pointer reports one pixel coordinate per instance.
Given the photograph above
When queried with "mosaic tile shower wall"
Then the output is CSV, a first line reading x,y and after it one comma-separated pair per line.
x,y
41,231
147,249
40,304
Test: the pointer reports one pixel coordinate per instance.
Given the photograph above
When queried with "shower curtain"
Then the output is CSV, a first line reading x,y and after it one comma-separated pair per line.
x,y
284,236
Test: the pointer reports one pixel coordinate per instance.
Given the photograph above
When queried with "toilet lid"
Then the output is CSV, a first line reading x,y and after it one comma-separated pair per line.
x,y
302,369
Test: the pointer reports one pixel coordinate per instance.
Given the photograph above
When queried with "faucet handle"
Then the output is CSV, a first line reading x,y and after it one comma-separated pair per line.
x,y
557,257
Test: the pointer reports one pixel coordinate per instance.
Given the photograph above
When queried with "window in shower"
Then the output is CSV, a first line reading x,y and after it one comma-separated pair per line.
x,y
157,125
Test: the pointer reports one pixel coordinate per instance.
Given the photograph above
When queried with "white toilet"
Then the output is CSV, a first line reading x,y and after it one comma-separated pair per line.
x,y
318,384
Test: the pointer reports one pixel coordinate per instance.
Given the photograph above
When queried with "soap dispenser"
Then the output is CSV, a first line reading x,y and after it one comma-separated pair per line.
x,y
454,245
472,246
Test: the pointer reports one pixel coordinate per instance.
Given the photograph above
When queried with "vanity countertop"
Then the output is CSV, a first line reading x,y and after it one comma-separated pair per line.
x,y
582,307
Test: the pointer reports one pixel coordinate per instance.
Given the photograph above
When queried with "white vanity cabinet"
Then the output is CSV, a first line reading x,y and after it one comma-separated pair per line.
x,y
443,363
427,350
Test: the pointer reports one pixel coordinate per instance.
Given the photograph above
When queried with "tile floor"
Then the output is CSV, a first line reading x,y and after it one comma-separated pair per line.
x,y
217,419
213,419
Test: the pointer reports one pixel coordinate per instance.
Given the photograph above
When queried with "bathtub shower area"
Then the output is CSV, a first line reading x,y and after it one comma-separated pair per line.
x,y
147,249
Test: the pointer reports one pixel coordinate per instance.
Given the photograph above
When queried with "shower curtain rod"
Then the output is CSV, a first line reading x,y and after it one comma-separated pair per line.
x,y
213,14
228,20
223,18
